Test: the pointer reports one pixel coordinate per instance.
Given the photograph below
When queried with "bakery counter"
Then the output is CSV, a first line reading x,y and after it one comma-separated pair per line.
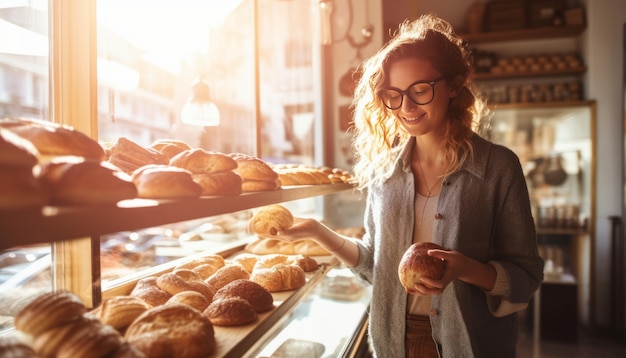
x,y
52,223
328,321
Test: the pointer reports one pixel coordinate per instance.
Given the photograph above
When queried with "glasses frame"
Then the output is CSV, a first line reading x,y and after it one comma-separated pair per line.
x,y
406,92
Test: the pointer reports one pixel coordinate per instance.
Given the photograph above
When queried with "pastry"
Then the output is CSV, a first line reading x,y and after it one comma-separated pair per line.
x,y
172,283
47,311
120,311
89,339
416,263
230,311
258,296
227,274
16,347
263,246
172,330
280,277
130,156
270,220
190,298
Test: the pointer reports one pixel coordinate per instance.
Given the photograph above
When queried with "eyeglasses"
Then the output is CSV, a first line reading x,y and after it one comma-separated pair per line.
x,y
420,92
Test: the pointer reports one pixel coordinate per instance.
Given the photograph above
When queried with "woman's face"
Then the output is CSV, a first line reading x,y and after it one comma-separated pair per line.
x,y
420,119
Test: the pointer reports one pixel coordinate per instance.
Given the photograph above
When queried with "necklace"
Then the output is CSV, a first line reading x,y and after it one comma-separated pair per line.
x,y
428,194
428,190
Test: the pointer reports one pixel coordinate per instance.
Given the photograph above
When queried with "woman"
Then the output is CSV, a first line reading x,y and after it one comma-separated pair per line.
x,y
430,177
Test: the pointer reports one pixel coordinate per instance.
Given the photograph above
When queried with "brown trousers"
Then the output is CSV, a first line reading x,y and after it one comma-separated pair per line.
x,y
419,341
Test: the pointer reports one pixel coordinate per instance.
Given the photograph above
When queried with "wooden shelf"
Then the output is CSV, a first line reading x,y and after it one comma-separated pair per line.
x,y
525,34
540,105
501,76
49,224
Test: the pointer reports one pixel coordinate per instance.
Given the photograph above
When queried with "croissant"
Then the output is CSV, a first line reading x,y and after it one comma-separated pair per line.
x,y
270,220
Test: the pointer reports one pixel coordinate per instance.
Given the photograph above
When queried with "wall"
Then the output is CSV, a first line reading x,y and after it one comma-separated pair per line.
x,y
602,52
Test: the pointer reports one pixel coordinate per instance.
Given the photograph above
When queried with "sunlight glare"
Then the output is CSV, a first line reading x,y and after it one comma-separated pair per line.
x,y
168,31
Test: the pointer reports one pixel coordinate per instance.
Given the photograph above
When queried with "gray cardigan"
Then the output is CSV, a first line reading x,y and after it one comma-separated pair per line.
x,y
483,212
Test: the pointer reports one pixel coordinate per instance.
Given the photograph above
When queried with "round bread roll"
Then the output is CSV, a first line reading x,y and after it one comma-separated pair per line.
x,y
270,220
199,160
226,183
19,189
230,311
258,296
416,263
78,181
172,330
170,147
226,275
148,290
120,311
191,298
55,140
280,277
17,151
165,182
47,311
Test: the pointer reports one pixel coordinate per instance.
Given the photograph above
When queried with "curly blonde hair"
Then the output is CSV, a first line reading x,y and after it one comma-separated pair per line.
x,y
378,136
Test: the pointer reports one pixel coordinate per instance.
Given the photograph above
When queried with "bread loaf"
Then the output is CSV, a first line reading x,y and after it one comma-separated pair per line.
x,y
19,189
192,299
165,182
416,263
258,296
198,160
264,246
16,151
226,183
78,181
230,311
172,330
52,140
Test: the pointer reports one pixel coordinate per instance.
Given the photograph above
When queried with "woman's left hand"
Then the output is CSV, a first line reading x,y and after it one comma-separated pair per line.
x,y
457,267
455,264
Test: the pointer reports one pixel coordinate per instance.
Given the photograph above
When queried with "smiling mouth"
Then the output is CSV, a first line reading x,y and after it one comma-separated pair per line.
x,y
413,118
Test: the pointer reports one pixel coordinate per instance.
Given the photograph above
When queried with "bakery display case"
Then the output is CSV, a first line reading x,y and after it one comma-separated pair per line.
x,y
328,290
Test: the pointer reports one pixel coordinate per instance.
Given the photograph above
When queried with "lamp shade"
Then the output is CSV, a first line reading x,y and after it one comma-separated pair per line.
x,y
200,109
